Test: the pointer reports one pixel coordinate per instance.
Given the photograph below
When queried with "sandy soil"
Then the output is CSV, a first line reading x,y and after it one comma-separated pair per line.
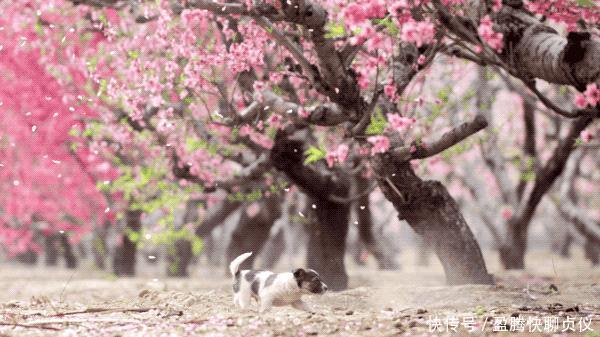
x,y
58,302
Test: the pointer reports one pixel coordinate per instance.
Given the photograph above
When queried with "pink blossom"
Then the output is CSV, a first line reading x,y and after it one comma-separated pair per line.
x,y
507,213
380,144
581,101
418,32
400,123
487,33
340,154
592,94
586,136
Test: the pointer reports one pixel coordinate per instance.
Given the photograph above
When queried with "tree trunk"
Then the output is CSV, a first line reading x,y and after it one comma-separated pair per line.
x,y
67,247
179,257
50,243
434,214
565,247
513,256
365,228
327,233
99,247
423,252
592,251
273,250
29,257
252,232
327,242
125,254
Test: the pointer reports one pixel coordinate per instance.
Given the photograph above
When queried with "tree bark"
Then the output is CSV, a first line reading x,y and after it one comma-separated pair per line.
x,y
592,251
125,255
327,233
50,243
67,247
565,246
99,246
434,214
512,253
327,242
178,258
29,257
252,232
365,228
273,250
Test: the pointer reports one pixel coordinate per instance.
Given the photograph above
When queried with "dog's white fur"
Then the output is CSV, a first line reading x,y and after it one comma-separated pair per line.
x,y
283,290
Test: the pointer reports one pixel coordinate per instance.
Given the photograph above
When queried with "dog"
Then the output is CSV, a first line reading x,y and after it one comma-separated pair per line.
x,y
273,289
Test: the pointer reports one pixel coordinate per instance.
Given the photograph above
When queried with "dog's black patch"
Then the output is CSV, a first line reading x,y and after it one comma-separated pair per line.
x,y
310,280
254,286
236,282
270,280
250,275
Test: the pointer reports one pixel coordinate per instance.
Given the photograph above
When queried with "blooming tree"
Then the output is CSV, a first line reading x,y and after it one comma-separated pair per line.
x,y
320,90
45,176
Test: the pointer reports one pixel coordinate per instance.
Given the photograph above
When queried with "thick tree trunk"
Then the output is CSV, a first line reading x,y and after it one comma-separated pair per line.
x,y
327,242
125,254
273,250
423,252
513,256
252,232
29,257
178,258
51,247
565,246
327,233
99,246
365,228
67,247
592,251
434,214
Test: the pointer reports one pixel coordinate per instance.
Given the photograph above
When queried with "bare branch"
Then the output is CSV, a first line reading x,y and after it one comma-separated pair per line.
x,y
447,140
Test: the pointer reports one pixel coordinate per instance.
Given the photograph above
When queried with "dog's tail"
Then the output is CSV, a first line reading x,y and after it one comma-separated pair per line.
x,y
235,264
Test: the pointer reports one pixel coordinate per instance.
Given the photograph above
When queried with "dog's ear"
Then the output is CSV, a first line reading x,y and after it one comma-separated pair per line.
x,y
299,273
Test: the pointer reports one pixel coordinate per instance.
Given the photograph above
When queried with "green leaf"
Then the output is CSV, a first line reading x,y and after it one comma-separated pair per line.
x,y
196,245
479,310
389,25
378,123
586,3
314,154
335,30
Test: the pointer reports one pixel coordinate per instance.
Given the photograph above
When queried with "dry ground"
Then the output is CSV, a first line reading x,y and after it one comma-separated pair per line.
x,y
44,302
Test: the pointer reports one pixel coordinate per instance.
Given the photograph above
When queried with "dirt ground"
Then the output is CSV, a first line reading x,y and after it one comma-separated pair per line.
x,y
410,302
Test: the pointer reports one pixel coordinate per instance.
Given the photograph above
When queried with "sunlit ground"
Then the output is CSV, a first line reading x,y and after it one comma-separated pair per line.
x,y
379,303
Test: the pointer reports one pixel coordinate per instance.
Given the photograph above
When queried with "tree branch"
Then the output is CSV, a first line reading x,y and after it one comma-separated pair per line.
x,y
447,140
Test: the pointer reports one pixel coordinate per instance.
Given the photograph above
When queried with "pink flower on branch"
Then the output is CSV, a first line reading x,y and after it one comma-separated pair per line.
x,y
380,144
487,33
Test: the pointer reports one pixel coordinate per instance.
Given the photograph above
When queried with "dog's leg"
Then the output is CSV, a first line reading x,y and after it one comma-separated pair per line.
x,y
244,300
301,305
266,303
236,300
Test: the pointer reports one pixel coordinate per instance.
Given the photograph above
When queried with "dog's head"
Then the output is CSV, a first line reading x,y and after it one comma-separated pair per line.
x,y
309,281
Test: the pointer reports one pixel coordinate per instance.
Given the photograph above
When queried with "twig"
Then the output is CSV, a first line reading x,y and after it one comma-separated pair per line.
x,y
96,310
30,326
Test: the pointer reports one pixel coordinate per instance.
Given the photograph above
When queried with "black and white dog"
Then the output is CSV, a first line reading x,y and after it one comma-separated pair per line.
x,y
272,289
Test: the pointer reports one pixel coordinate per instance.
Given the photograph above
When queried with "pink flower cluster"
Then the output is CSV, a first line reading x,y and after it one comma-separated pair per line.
x,y
360,11
339,154
381,144
418,32
487,33
591,96
400,123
